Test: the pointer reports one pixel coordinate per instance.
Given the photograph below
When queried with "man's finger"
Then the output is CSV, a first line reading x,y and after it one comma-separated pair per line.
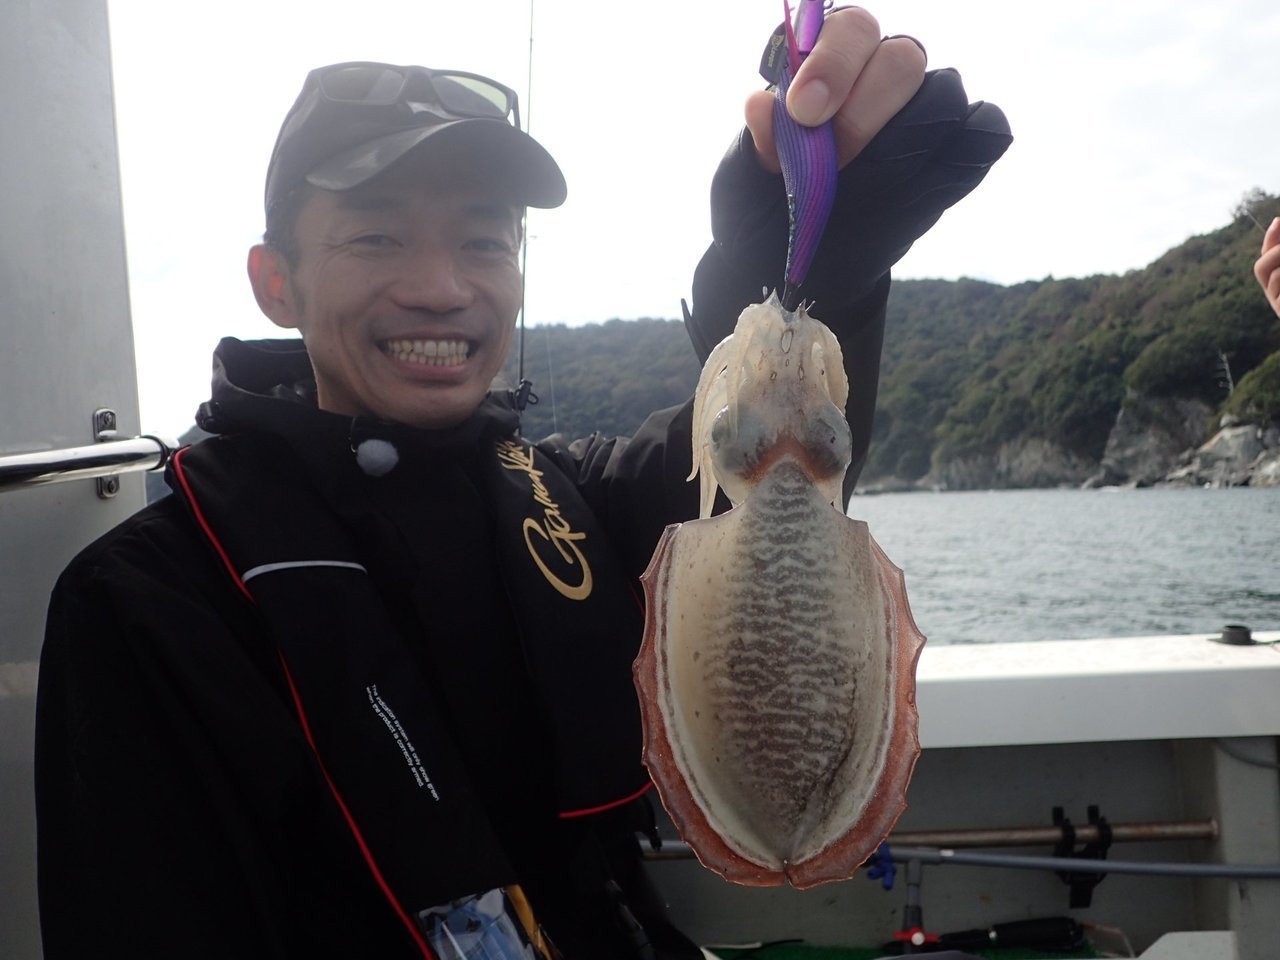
x,y
1272,236
1272,289
759,113
1269,263
1267,266
848,41
889,80
852,77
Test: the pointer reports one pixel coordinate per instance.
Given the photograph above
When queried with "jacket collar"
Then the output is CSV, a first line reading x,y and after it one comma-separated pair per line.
x,y
267,386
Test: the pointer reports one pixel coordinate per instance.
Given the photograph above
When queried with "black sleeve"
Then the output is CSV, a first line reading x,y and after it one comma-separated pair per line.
x,y
635,485
131,856
172,787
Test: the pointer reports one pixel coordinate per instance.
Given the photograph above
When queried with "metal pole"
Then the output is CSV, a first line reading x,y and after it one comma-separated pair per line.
x,y
78,463
1038,836
1008,837
1252,871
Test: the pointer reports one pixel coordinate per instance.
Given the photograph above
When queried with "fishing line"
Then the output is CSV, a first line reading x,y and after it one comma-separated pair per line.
x,y
524,388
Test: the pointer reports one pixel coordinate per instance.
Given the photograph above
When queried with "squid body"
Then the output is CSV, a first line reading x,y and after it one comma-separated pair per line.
x,y
777,672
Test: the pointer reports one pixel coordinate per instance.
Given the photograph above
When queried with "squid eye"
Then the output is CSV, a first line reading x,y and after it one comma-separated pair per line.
x,y
720,429
829,441
737,451
730,459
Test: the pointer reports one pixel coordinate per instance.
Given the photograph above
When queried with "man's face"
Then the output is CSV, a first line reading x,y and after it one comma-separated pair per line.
x,y
406,291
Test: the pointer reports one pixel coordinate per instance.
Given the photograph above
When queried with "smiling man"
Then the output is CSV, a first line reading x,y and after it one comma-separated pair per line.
x,y
403,289
394,205
361,687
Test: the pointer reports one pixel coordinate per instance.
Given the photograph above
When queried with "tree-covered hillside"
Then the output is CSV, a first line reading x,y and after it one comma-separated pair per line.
x,y
605,377
969,366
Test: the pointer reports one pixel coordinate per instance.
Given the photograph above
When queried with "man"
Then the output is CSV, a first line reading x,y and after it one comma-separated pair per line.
x,y
361,686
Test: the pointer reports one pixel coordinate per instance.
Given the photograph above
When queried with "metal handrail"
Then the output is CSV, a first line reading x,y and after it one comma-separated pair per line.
x,y
107,457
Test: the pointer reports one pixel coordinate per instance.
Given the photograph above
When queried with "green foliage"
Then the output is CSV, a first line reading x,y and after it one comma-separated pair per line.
x,y
1080,390
606,377
970,366
1256,398
1235,326
1254,205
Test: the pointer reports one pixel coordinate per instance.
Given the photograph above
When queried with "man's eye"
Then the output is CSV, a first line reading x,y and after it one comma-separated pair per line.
x,y
491,245
375,241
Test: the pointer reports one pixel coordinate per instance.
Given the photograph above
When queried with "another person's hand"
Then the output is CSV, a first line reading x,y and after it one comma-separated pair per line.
x,y
1267,267
852,77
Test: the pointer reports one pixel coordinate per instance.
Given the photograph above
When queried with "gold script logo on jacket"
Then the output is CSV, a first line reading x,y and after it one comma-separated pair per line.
x,y
552,543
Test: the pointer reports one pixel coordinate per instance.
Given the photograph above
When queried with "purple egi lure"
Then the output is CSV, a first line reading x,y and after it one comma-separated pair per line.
x,y
807,156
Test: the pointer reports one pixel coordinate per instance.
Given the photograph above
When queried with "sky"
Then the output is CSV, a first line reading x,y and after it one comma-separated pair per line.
x,y
1137,124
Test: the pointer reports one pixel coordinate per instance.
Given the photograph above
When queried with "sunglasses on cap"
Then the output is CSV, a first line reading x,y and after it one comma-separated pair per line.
x,y
353,120
461,94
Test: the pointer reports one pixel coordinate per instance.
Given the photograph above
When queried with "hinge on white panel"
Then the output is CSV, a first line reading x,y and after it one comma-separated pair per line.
x,y
104,429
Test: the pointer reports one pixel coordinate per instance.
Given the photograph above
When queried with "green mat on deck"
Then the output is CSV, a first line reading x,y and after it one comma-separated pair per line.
x,y
800,951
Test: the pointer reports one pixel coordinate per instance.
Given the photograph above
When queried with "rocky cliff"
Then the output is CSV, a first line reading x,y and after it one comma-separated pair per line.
x,y
1148,438
1025,462
1237,455
1155,442
1160,442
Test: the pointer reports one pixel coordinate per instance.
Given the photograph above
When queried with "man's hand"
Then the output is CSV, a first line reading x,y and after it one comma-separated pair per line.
x,y
1267,268
910,143
852,77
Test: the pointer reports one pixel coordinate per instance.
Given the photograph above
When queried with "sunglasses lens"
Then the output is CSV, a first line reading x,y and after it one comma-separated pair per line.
x,y
363,84
461,94
471,96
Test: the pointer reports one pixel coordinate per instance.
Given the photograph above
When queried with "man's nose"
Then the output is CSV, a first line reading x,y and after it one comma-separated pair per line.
x,y
433,280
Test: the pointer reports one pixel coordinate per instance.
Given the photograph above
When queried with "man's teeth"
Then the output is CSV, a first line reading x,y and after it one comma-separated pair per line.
x,y
439,353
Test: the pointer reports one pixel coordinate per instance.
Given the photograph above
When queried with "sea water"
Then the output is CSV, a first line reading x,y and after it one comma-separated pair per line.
x,y
1016,565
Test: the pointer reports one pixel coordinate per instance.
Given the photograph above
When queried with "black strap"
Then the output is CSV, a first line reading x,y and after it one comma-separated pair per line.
x,y
357,693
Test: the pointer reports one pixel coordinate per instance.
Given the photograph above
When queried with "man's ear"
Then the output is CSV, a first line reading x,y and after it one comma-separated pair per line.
x,y
269,277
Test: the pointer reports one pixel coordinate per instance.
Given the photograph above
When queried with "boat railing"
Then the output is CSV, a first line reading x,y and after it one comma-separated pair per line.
x,y
104,460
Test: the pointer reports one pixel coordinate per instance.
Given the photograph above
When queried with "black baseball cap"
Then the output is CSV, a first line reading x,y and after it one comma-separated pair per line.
x,y
353,120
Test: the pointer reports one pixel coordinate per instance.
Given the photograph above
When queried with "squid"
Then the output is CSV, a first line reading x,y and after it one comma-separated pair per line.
x,y
776,676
